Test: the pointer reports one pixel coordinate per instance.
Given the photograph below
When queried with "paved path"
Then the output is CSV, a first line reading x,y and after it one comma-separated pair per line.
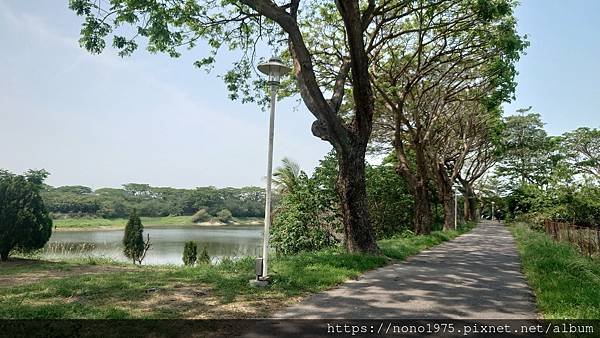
x,y
475,276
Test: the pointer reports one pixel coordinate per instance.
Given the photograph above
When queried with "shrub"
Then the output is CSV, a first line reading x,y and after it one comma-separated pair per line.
x,y
24,221
190,253
389,199
224,216
204,257
201,216
577,204
134,246
305,220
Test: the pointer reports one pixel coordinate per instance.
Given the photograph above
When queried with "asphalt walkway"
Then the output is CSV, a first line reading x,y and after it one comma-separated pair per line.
x,y
474,276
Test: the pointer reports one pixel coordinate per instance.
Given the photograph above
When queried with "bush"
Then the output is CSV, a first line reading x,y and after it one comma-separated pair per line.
x,y
305,220
204,257
201,216
577,204
585,206
308,217
134,246
389,200
24,221
224,216
190,253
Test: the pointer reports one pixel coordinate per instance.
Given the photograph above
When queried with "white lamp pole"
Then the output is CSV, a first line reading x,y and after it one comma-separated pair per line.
x,y
274,69
493,210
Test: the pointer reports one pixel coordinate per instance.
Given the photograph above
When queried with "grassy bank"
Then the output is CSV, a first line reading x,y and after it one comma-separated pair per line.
x,y
118,223
108,290
403,246
566,284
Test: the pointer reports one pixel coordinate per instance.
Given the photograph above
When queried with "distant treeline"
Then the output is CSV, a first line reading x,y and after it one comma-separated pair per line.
x,y
152,201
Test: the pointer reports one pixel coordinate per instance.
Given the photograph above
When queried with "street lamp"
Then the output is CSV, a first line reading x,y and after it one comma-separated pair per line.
x,y
493,210
274,69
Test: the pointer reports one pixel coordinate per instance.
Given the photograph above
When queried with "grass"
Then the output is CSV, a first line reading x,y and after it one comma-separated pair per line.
x,y
96,223
20,264
32,266
566,283
408,244
205,291
124,294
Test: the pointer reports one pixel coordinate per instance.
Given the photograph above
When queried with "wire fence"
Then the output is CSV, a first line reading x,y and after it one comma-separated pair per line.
x,y
586,239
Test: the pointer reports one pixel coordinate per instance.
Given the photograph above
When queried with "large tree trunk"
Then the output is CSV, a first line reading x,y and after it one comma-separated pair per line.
x,y
473,211
444,184
422,214
467,208
449,212
4,255
470,202
472,207
417,182
353,199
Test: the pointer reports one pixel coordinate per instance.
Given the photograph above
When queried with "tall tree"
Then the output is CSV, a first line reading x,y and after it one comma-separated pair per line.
x,y
529,154
462,133
582,148
480,160
447,51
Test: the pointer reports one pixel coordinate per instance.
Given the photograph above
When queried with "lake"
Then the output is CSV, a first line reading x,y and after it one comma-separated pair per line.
x,y
167,243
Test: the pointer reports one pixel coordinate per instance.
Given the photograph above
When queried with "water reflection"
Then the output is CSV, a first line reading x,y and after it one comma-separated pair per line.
x,y
167,243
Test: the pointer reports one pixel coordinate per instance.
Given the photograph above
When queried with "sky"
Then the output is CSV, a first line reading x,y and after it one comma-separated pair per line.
x,y
103,120
560,74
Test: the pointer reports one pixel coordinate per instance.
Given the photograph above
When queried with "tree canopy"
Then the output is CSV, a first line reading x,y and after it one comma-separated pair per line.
x,y
152,201
582,148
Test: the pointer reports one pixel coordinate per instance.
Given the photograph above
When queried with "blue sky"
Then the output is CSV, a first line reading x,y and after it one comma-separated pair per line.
x,y
104,121
560,75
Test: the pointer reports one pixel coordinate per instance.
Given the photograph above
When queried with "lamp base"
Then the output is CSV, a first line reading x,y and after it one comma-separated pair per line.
x,y
261,282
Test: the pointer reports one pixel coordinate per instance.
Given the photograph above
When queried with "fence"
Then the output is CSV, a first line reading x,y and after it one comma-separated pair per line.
x,y
586,239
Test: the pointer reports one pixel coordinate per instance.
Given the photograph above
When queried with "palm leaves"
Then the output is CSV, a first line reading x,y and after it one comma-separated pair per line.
x,y
285,177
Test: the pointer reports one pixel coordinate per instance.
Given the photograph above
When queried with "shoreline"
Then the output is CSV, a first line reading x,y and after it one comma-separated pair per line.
x,y
150,225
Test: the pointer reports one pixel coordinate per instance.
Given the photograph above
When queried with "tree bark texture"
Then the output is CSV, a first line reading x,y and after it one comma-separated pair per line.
x,y
445,195
470,202
353,198
417,182
422,214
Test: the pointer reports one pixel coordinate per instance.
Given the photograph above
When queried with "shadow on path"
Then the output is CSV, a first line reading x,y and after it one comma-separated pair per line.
x,y
475,276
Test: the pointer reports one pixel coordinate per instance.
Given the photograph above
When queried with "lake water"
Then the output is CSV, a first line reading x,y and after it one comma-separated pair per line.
x,y
167,243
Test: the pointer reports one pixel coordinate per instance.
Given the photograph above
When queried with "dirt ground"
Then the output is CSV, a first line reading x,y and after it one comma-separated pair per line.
x,y
49,270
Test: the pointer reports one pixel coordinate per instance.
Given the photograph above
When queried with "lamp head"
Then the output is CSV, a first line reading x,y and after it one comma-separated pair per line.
x,y
274,69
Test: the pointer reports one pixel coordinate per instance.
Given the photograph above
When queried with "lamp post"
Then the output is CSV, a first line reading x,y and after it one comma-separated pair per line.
x,y
493,210
274,69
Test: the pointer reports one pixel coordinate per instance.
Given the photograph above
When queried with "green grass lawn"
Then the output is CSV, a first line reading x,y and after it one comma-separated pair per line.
x,y
147,221
566,284
401,247
110,290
